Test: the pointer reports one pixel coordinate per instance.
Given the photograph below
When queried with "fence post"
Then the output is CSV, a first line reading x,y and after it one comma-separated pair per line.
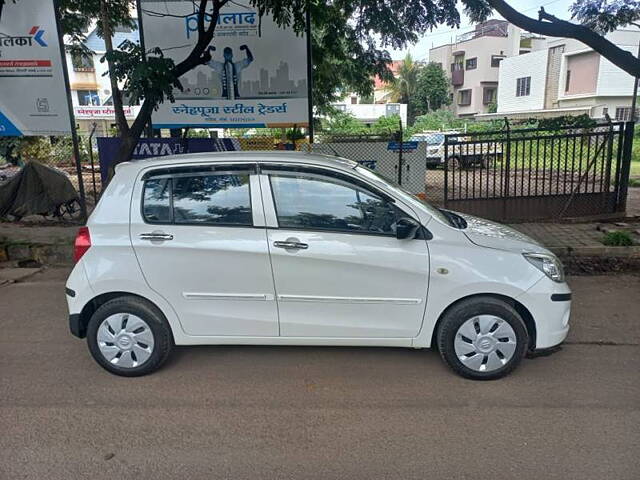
x,y
399,135
621,202
446,169
505,185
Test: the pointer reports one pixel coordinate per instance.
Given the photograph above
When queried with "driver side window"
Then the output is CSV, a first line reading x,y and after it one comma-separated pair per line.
x,y
316,202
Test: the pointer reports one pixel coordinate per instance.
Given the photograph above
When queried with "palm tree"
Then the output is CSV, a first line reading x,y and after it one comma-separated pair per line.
x,y
404,85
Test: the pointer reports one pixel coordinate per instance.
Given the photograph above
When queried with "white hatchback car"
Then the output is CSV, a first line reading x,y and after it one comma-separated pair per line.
x,y
277,248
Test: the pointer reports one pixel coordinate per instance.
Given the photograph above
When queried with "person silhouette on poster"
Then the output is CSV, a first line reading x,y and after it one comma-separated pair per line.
x,y
230,71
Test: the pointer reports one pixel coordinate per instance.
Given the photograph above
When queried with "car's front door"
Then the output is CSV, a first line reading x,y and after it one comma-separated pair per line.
x,y
200,240
338,267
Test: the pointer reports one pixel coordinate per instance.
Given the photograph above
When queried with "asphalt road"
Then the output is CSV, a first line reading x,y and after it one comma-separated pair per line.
x,y
307,413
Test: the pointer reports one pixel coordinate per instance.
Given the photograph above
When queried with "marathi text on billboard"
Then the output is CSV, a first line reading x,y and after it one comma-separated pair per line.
x,y
257,75
33,99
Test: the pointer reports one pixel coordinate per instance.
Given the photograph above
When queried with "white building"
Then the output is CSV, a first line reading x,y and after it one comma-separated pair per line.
x,y
566,78
472,63
91,88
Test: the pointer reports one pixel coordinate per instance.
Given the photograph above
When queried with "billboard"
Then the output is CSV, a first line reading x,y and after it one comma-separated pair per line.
x,y
33,97
257,75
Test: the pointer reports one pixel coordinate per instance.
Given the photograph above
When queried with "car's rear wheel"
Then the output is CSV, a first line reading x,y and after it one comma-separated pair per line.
x,y
128,336
482,338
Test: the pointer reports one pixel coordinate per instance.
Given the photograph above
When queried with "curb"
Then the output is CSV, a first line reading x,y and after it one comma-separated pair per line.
x,y
43,254
603,251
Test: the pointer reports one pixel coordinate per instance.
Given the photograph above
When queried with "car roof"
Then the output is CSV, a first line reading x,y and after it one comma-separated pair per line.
x,y
252,156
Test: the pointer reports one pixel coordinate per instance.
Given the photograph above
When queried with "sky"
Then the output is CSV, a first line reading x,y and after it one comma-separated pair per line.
x,y
443,35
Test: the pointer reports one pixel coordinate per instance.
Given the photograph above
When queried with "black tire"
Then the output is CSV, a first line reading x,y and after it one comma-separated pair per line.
x,y
162,336
467,309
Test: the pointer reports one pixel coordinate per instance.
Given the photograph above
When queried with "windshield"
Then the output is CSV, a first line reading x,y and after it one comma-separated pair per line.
x,y
400,191
436,138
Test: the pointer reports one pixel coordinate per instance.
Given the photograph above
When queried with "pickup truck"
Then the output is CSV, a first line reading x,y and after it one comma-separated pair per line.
x,y
460,156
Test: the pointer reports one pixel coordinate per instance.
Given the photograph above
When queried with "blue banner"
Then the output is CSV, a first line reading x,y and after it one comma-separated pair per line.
x,y
160,147
406,146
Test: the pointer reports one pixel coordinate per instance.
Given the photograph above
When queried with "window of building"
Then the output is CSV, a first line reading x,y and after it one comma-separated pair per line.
x,y
464,97
88,97
623,114
471,64
523,87
315,202
496,59
354,100
489,95
567,81
458,63
605,111
82,63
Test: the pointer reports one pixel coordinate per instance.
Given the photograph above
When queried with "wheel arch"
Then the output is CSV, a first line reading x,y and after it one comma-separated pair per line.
x,y
529,322
96,302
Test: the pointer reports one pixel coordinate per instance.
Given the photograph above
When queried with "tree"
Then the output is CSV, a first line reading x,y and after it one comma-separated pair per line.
x,y
432,90
349,43
597,16
403,87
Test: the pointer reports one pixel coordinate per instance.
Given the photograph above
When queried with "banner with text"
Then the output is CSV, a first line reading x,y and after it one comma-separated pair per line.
x,y
33,98
257,75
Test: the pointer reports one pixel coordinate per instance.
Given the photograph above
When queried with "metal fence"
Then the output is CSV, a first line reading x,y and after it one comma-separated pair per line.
x,y
508,175
533,174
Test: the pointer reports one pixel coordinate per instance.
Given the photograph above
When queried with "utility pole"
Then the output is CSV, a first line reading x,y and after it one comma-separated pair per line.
x,y
634,99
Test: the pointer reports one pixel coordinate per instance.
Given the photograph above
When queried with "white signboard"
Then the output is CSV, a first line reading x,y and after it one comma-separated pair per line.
x,y
33,98
257,75
104,111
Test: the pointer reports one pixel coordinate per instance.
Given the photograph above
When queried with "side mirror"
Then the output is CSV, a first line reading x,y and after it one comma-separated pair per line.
x,y
406,228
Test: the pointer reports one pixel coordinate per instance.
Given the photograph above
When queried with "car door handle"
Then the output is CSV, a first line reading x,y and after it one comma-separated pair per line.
x,y
291,245
155,236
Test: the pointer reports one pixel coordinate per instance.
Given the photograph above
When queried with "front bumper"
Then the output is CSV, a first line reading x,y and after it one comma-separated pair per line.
x,y
549,303
76,326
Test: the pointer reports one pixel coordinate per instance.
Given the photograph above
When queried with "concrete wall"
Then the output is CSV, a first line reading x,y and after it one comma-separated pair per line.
x,y
532,65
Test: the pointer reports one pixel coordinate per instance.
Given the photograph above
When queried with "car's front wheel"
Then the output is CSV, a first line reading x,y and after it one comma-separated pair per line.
x,y
482,338
129,336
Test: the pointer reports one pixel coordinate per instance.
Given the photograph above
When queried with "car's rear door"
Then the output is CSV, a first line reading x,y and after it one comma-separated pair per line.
x,y
339,269
199,236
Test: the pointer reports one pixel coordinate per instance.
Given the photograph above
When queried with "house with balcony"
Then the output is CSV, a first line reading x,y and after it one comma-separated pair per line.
x,y
472,63
566,78
91,87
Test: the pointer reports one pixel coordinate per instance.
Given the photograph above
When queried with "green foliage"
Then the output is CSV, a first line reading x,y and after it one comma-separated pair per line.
x,y
617,238
77,18
432,90
152,80
605,16
388,124
578,121
343,123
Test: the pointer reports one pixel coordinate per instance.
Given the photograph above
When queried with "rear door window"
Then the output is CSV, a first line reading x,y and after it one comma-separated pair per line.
x,y
198,199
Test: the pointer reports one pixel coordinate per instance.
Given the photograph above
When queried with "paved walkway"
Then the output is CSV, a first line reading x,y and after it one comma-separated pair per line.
x,y
570,234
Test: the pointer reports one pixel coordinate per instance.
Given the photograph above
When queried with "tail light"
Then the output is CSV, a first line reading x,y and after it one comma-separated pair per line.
x,y
82,243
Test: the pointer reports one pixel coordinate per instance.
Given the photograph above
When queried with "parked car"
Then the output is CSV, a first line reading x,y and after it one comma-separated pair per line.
x,y
286,248
460,155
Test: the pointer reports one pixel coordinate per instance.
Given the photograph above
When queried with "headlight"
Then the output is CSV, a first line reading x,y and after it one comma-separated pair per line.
x,y
547,264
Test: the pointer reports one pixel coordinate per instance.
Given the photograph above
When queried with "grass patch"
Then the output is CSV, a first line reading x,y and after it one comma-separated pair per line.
x,y
617,238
